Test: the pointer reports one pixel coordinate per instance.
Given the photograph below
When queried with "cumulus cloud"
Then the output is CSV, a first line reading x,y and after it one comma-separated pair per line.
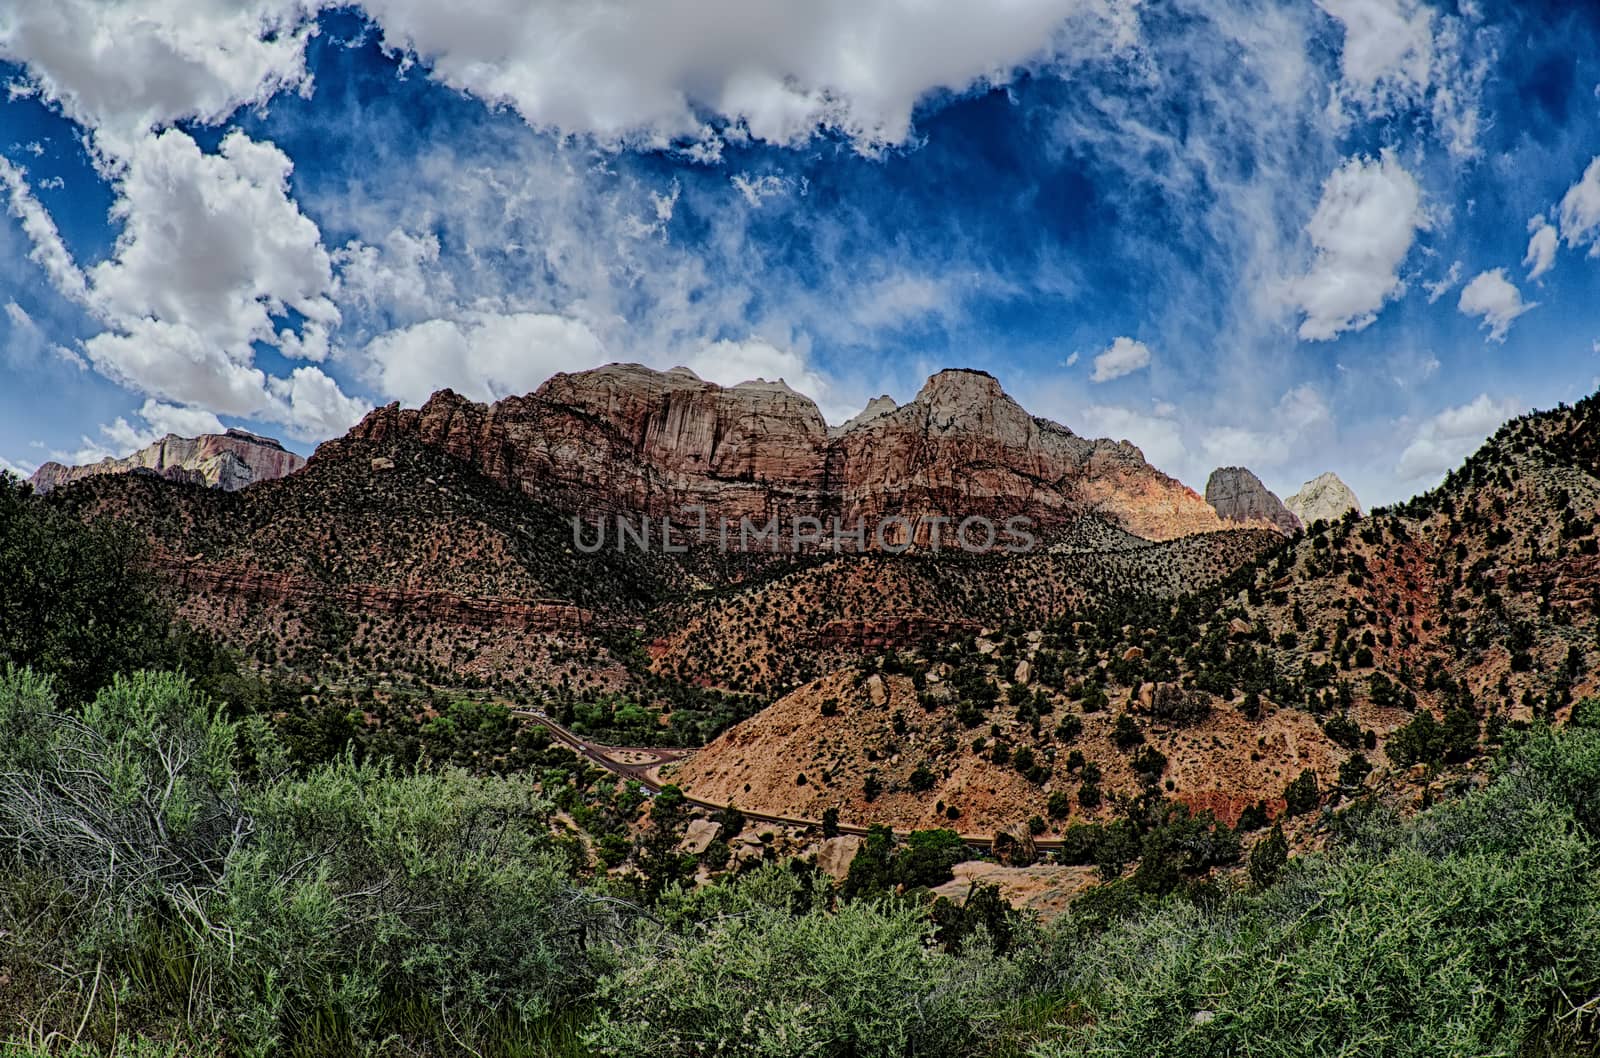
x,y
649,70
1442,442
1300,413
1495,300
1363,228
1402,53
1157,433
122,437
214,244
1388,47
728,363
126,67
211,252
484,356
1123,357
1541,255
1580,211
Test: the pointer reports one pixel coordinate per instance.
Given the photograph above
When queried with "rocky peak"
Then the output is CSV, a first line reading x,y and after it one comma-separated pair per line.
x,y
627,439
227,461
876,407
1237,495
1323,498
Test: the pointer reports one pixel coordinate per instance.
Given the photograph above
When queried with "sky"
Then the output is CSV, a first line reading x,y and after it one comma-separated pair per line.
x,y
1347,235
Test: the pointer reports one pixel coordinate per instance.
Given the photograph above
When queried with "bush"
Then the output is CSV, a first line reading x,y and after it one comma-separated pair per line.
x,y
1475,930
757,980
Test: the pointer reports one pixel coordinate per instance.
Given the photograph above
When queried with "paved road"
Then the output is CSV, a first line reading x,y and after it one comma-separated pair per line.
x,y
637,763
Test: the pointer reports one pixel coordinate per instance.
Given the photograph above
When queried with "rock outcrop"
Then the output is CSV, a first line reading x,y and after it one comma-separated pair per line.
x,y
1237,495
625,440
1323,498
227,461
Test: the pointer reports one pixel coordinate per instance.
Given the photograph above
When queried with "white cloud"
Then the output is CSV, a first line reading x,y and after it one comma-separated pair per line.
x,y
484,356
1580,211
1388,47
1123,357
122,68
121,437
1444,284
21,470
1495,300
1300,413
1363,228
758,188
1442,442
49,251
314,405
642,70
213,243
728,363
1157,435
1402,53
211,250
1541,255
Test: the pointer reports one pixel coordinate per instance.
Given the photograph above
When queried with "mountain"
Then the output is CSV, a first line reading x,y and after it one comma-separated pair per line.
x,y
625,439
227,461
439,541
436,546
1237,495
1323,498
1369,655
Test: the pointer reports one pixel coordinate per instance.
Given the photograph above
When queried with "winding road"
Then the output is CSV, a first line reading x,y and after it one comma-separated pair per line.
x,y
639,763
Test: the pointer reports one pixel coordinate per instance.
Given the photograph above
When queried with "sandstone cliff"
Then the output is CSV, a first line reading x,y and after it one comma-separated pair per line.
x,y
1323,498
1239,496
227,461
625,439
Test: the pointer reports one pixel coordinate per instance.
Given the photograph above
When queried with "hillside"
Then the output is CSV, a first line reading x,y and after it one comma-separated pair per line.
x,y
1366,652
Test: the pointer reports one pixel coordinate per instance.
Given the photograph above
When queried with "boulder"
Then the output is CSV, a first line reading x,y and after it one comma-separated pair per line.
x,y
835,854
699,835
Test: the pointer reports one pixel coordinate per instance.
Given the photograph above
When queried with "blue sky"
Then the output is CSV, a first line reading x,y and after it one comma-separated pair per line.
x,y
1350,235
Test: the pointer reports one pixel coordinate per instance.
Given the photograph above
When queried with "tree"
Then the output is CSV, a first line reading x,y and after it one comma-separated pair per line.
x,y
1301,796
1268,858
659,860
830,822
872,870
927,857
76,602
922,778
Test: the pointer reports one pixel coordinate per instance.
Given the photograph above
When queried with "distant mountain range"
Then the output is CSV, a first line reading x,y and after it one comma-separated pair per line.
x,y
438,545
227,461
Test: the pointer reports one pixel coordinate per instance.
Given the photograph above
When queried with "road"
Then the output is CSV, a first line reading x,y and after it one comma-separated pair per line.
x,y
638,763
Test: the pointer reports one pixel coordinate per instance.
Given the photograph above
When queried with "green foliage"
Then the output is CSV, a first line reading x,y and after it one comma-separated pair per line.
x,y
757,980
1301,795
1474,931
1427,741
1268,857
75,603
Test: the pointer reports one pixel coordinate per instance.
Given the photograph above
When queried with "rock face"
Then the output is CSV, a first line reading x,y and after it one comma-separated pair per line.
x,y
1323,498
628,440
1238,495
227,461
